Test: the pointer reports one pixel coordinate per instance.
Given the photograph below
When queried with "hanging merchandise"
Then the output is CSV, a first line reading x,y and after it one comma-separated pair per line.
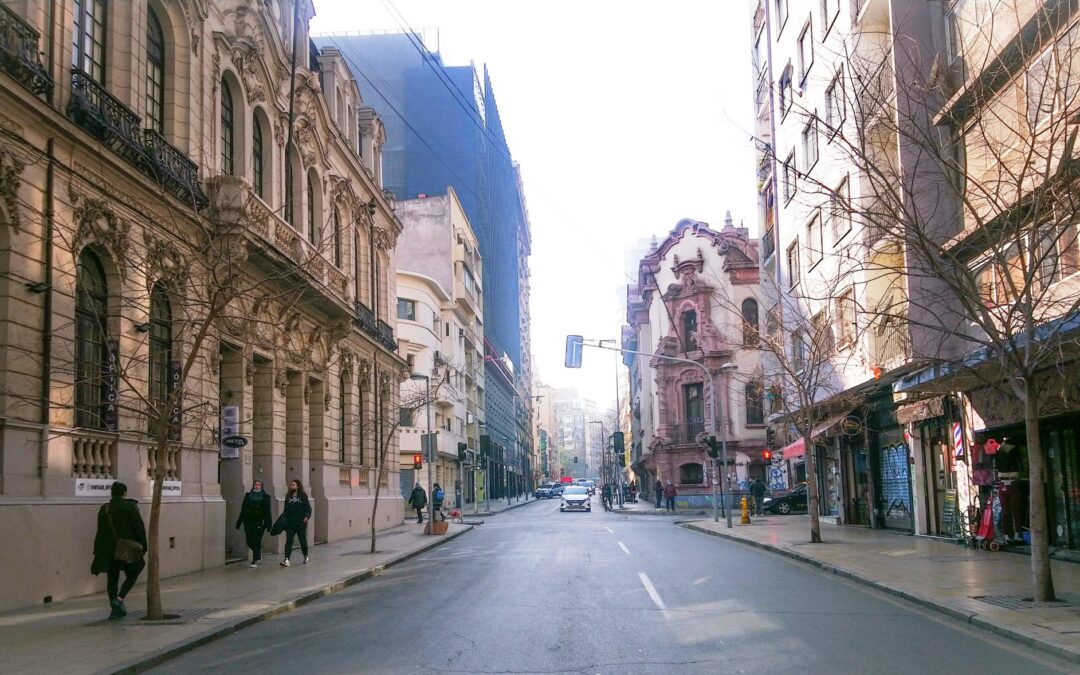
x,y
991,446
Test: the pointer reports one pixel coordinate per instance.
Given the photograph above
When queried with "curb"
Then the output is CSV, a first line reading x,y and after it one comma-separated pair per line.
x,y
968,618
171,652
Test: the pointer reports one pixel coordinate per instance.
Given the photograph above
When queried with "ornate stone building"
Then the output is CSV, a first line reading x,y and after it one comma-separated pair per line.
x,y
697,299
173,283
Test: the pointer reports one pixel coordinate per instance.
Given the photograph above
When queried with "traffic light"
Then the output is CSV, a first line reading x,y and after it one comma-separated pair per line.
x,y
462,451
418,461
619,442
575,460
766,456
770,438
714,448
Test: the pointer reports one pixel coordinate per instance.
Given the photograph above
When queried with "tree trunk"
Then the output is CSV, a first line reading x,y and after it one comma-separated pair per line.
x,y
153,567
375,506
812,490
1040,535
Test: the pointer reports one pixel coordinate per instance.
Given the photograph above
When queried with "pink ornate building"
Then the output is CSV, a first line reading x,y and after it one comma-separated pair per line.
x,y
697,298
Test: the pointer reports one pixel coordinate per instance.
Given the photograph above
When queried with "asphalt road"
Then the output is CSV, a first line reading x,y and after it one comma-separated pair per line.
x,y
538,591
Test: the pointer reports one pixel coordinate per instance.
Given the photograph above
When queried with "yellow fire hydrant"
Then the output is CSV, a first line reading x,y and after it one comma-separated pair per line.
x,y
745,505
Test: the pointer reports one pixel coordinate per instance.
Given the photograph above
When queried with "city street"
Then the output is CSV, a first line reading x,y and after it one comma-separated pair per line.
x,y
536,590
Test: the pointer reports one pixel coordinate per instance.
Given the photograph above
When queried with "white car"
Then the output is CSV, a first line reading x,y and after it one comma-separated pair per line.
x,y
576,497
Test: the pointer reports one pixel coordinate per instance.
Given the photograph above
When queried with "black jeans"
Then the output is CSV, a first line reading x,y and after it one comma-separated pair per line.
x,y
670,503
420,514
439,515
296,531
131,575
254,535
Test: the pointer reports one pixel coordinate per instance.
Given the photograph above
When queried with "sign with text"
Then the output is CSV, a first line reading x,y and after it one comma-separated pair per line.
x,y
176,373
110,404
93,487
230,427
169,488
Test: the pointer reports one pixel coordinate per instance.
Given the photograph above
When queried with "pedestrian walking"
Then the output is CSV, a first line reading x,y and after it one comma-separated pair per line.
x,y
255,519
659,492
297,512
669,496
418,500
437,497
605,496
757,492
119,546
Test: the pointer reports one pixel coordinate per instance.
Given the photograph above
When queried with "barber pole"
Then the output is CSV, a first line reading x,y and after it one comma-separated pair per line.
x,y
958,440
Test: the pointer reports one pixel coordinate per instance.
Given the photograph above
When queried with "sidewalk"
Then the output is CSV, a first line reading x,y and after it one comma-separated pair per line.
x,y
647,507
497,507
937,574
74,636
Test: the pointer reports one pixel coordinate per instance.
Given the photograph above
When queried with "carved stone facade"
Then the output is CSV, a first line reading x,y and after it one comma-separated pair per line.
x,y
182,268
696,299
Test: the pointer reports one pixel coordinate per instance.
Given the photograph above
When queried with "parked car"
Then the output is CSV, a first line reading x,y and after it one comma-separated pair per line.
x,y
576,497
556,490
544,491
589,485
786,501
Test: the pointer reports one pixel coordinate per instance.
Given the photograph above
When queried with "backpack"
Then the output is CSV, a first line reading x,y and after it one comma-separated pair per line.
x,y
439,495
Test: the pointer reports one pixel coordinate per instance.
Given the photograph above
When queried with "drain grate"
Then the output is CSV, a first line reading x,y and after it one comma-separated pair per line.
x,y
175,617
1020,602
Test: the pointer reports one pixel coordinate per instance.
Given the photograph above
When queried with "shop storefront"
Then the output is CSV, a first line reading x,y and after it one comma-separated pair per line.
x,y
890,464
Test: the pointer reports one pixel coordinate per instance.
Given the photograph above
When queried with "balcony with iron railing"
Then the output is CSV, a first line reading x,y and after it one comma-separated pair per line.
x,y
19,53
173,170
890,343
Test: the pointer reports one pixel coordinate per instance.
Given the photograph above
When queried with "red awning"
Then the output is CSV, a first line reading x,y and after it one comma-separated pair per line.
x,y
798,447
793,450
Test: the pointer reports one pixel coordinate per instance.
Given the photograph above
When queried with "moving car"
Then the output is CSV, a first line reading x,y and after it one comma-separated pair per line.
x,y
589,485
576,497
786,501
544,491
556,491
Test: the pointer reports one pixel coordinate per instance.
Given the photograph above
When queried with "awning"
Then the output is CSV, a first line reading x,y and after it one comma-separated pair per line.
x,y
798,447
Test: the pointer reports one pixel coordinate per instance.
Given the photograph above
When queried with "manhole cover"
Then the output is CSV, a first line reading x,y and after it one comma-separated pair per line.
x,y
1021,602
175,616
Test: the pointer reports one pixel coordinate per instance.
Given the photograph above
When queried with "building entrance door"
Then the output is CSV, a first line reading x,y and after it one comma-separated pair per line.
x,y
895,478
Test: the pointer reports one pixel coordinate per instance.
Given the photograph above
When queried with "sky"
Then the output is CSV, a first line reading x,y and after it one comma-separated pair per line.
x,y
625,116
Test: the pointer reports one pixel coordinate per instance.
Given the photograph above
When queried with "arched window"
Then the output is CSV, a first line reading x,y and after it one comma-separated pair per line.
x,y
292,175
91,316
257,176
750,322
689,328
335,223
155,72
160,344
88,53
312,212
343,418
691,474
694,409
755,403
228,129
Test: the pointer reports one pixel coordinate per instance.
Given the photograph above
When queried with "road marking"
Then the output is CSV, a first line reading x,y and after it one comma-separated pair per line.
x,y
653,595
624,549
610,530
700,581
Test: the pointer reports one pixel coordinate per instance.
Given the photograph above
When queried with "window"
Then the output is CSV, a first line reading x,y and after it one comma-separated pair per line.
x,y
794,273
689,330
1040,87
806,52
755,403
694,408
343,418
840,211
88,53
810,144
691,474
750,322
257,176
953,47
845,318
785,91
790,177
335,225
91,315
405,417
835,106
822,339
814,242
830,9
781,15
312,212
798,350
228,129
160,344
292,166
364,425
155,72
406,309
1059,255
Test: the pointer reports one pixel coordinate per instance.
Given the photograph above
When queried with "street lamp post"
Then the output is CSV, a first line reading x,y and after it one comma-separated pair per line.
x,y
430,452
724,370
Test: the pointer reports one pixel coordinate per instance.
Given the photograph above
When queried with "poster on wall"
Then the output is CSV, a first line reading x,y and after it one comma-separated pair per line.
x,y
169,488
176,373
230,428
109,404
93,487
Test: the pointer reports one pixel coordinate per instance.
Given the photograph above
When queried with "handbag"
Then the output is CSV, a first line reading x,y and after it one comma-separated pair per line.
x,y
127,550
279,525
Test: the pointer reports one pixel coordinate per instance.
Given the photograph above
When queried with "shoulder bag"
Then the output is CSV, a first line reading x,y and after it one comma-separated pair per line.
x,y
127,550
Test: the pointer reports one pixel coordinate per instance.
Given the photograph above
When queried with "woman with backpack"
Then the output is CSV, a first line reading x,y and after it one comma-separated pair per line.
x,y
297,512
437,497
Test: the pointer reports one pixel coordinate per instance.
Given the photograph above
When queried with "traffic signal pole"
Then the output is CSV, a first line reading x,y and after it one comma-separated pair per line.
x,y
573,355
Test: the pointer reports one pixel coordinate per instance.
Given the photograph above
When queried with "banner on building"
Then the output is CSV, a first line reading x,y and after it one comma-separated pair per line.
x,y
169,488
230,428
176,374
93,487
110,404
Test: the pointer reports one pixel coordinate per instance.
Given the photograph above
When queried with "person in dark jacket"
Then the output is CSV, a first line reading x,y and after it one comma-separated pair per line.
x,y
255,517
297,512
437,497
418,500
757,492
659,492
119,519
669,496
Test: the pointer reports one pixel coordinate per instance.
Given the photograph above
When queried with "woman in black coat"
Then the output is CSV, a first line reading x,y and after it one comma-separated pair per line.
x,y
119,519
297,511
255,517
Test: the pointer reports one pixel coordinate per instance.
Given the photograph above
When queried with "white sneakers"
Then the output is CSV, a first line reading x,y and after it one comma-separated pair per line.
x,y
253,564
306,560
285,563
